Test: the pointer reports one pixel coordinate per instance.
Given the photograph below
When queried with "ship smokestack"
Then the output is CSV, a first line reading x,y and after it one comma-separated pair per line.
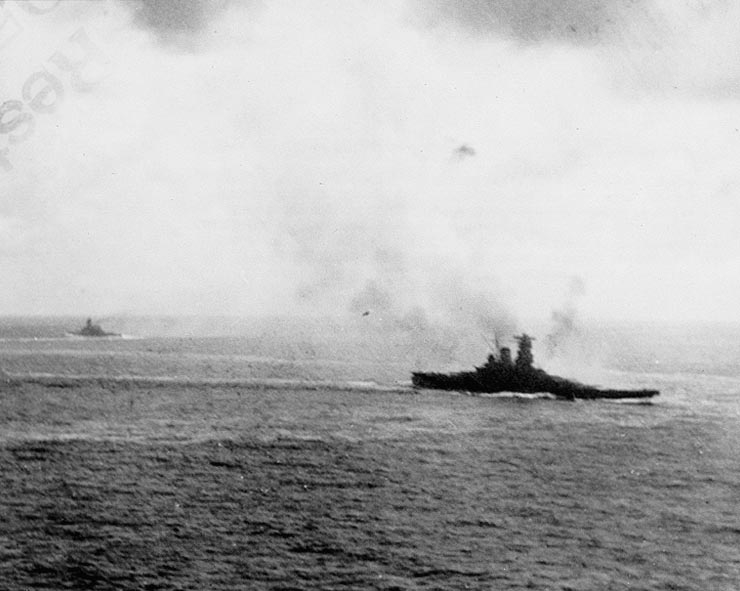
x,y
524,357
506,356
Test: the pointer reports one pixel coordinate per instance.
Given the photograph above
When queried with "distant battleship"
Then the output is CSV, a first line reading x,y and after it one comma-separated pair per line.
x,y
502,374
93,330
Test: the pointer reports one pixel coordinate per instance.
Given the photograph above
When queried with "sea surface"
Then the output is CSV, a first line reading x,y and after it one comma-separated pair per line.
x,y
238,462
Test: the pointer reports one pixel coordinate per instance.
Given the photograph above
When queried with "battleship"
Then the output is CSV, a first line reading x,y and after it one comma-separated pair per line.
x,y
501,373
93,330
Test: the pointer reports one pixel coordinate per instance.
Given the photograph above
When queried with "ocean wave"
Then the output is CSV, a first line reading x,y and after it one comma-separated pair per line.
x,y
72,380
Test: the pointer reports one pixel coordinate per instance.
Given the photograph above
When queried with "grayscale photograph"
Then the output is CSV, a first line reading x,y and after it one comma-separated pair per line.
x,y
369,295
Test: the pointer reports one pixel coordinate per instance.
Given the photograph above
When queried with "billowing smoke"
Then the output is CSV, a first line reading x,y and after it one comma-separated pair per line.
x,y
244,158
564,320
580,22
372,299
481,313
180,25
445,321
463,151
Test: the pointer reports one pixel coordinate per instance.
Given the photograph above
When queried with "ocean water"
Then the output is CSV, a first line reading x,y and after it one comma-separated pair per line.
x,y
243,462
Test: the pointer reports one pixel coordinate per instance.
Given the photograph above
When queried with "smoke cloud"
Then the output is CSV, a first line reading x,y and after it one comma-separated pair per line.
x,y
565,319
182,25
580,22
257,158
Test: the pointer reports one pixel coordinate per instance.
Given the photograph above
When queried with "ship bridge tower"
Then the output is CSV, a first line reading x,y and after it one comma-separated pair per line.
x,y
524,357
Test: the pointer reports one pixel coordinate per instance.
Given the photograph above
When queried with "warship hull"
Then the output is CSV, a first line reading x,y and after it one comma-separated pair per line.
x,y
92,330
80,333
502,374
528,384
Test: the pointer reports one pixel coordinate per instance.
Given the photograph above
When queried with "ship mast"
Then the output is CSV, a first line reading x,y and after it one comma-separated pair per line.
x,y
494,348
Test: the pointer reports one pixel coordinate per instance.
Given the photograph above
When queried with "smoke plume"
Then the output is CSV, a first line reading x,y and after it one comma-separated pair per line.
x,y
248,158
564,320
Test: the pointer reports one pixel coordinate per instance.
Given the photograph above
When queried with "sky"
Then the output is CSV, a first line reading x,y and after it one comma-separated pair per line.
x,y
254,157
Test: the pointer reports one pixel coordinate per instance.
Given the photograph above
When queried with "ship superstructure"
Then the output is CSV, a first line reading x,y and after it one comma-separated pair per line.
x,y
501,373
